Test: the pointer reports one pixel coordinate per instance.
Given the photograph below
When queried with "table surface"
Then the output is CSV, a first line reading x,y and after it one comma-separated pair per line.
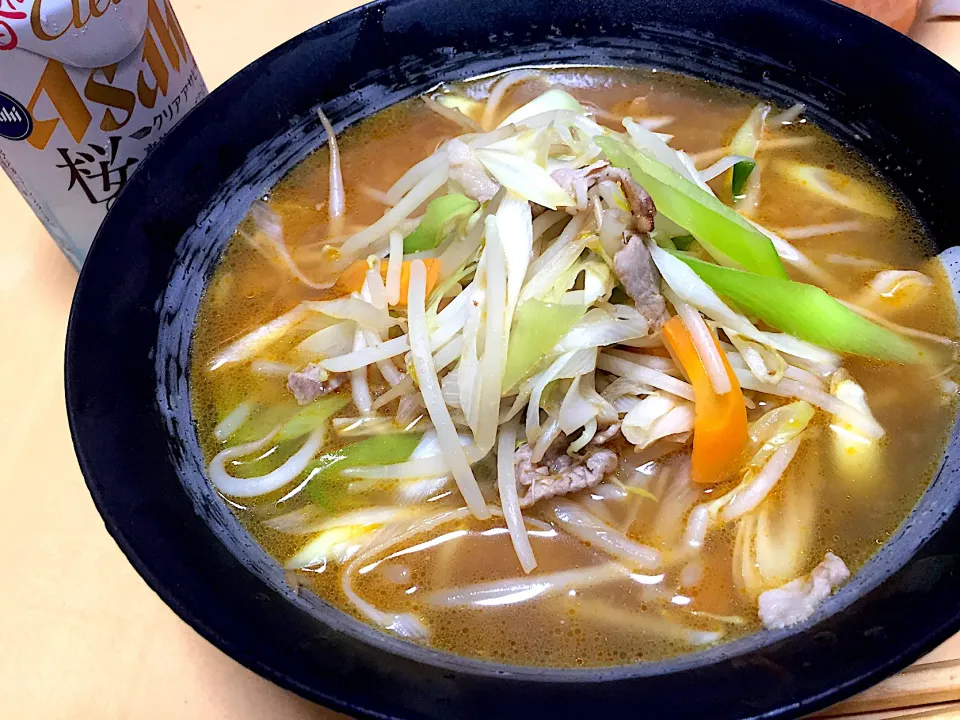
x,y
81,635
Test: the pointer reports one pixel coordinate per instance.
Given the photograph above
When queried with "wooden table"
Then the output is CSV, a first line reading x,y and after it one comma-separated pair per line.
x,y
81,635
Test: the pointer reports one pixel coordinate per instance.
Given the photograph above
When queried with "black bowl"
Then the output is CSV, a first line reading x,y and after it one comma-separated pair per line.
x,y
127,352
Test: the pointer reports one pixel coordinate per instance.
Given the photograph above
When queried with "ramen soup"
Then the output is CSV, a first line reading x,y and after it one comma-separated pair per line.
x,y
576,367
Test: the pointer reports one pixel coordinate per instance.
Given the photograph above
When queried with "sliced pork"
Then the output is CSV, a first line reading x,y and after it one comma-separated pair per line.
x,y
639,277
798,599
313,382
641,204
558,473
469,172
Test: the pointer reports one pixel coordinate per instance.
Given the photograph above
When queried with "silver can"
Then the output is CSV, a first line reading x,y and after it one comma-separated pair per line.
x,y
87,87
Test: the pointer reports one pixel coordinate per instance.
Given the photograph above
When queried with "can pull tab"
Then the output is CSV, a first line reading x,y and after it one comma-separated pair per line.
x,y
81,33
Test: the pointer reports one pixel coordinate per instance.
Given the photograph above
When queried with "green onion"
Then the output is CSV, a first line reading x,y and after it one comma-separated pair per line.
x,y
262,421
312,416
440,213
746,143
741,171
377,450
807,312
729,239
265,462
537,328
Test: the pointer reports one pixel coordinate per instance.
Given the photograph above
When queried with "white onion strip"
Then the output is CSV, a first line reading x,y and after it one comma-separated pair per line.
x,y
389,371
375,293
296,522
353,308
738,362
232,422
358,378
793,389
721,166
454,312
808,231
618,362
787,143
361,357
433,398
497,92
274,480
430,466
452,114
706,348
698,523
586,527
394,266
495,340
376,195
533,428
655,362
788,116
271,368
404,624
896,327
522,589
338,199
655,123
788,253
631,621
765,146
748,497
401,389
414,175
546,220
388,349
270,229
395,215
255,341
550,432
448,353
509,497
562,253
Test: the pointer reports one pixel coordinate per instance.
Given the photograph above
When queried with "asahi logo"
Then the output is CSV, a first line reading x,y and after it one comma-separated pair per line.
x,y
15,121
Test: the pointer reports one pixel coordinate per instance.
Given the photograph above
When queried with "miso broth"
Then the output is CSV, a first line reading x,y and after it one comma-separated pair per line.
x,y
407,546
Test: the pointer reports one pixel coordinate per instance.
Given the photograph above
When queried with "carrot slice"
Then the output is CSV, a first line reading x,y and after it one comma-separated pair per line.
x,y
720,421
351,279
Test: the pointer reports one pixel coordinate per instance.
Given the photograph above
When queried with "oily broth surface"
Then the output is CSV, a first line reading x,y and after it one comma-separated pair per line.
x,y
853,519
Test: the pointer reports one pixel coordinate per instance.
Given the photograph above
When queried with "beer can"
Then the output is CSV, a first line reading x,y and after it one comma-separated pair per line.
x,y
87,87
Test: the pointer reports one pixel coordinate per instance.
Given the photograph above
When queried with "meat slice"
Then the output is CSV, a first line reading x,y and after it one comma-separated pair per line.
x,y
606,435
312,382
469,172
798,599
574,183
558,473
641,204
577,183
639,277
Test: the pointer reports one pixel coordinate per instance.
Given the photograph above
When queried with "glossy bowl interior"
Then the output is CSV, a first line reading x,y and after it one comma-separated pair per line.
x,y
127,366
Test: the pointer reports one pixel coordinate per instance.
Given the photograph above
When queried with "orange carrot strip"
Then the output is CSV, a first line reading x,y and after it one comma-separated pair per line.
x,y
351,279
720,421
